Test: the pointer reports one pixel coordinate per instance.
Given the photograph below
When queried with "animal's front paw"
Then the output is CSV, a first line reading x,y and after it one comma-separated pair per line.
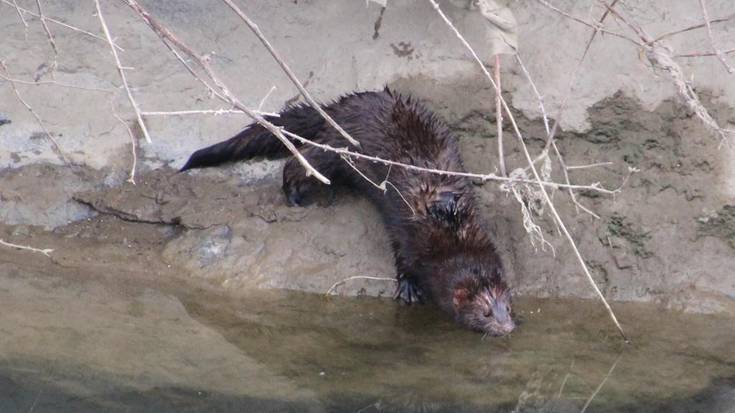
x,y
306,190
407,290
293,196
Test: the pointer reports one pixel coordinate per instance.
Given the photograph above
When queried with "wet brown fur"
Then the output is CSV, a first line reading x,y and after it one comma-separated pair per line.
x,y
441,247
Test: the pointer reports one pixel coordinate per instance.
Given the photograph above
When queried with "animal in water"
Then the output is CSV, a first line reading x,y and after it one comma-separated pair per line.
x,y
443,251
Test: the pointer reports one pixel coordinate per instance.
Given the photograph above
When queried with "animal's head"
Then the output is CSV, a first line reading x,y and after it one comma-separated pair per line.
x,y
483,304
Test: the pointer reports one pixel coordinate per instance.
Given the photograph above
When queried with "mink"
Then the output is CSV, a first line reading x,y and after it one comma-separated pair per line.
x,y
442,249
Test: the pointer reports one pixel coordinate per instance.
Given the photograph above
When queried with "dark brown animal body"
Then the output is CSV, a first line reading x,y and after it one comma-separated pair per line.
x,y
441,247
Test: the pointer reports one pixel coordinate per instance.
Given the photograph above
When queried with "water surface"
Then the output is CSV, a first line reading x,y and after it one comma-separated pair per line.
x,y
83,346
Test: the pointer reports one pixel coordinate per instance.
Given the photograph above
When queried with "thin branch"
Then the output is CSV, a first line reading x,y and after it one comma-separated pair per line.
x,y
48,34
592,165
212,91
215,112
717,51
575,74
54,83
499,118
697,26
485,177
702,54
262,101
46,251
58,22
356,277
564,381
383,186
255,29
166,35
54,145
536,175
565,169
351,164
539,97
131,175
597,27
660,57
121,71
601,385
22,19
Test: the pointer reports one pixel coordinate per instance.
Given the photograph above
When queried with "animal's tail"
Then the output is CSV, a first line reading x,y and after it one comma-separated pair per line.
x,y
256,141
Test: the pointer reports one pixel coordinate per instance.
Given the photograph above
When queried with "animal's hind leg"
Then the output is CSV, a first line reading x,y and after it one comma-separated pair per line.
x,y
407,290
300,189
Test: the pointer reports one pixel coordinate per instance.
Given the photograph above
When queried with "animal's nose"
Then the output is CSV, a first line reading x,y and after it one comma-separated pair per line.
x,y
507,327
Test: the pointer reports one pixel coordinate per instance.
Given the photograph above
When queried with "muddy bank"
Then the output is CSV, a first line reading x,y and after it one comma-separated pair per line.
x,y
667,237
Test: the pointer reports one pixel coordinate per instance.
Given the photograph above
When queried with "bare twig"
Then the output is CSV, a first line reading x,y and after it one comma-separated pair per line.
x,y
262,101
131,176
22,19
357,277
35,401
549,138
601,385
46,251
717,51
383,186
49,35
536,175
592,165
485,177
564,381
121,71
54,144
167,36
575,74
45,27
660,56
58,22
697,26
499,118
597,26
565,171
539,97
702,54
54,83
255,29
215,112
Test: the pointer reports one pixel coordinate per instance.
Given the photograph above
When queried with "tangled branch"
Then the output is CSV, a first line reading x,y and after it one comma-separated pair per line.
x,y
536,175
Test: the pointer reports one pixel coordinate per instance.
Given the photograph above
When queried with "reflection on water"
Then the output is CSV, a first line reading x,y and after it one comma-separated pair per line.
x,y
297,352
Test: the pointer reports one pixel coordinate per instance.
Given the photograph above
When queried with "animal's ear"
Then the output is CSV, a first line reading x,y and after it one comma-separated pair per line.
x,y
498,273
460,298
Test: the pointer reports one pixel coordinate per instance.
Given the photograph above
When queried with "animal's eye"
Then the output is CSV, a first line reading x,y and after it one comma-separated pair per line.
x,y
489,313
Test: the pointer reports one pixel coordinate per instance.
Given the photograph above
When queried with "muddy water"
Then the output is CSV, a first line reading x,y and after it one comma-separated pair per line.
x,y
88,344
